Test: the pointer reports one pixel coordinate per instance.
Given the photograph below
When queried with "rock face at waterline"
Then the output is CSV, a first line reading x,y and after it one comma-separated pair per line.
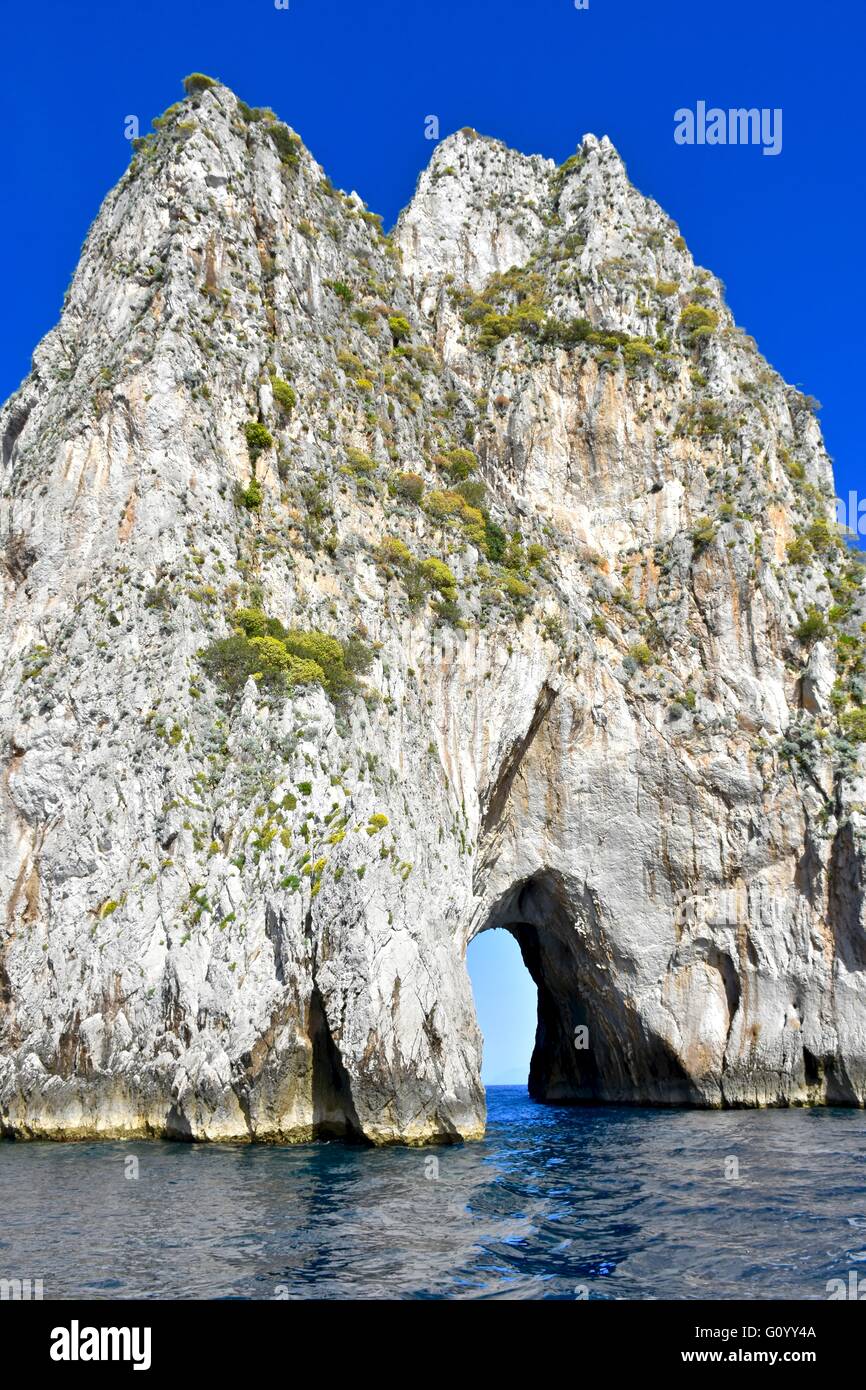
x,y
362,593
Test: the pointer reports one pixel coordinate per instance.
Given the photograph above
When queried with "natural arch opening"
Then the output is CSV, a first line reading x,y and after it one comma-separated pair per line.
x,y
590,1044
506,1007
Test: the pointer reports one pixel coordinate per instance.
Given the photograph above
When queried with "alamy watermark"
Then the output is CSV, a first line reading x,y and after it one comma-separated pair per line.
x,y
851,514
855,1289
21,1290
77,1343
737,126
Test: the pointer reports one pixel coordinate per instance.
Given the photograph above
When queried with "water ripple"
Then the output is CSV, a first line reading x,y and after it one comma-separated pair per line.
x,y
554,1202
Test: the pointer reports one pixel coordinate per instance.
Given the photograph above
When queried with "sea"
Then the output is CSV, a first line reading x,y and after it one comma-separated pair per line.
x,y
554,1203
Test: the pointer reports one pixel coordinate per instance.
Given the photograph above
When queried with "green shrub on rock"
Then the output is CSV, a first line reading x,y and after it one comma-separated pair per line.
x,y
275,659
400,327
473,492
813,627
823,537
250,496
640,654
340,289
258,438
853,725
452,506
799,551
439,577
409,486
252,622
703,534
566,333
284,394
286,143
361,464
495,541
458,463
198,82
697,322
516,589
284,658
231,661
638,353
316,646
392,553
442,505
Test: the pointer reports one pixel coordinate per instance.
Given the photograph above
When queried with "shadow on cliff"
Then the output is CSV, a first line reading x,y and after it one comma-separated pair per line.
x,y
590,1047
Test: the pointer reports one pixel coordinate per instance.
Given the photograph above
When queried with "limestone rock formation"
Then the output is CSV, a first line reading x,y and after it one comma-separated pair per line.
x,y
361,593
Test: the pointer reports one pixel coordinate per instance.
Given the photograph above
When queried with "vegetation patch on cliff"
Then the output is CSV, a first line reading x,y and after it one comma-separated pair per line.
x,y
283,659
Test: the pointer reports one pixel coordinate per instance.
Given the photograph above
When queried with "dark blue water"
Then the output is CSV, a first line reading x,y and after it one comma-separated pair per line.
x,y
553,1203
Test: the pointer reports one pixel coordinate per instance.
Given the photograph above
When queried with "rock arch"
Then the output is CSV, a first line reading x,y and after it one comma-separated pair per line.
x,y
590,1044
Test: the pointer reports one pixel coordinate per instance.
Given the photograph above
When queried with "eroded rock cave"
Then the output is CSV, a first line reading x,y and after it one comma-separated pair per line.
x,y
589,1047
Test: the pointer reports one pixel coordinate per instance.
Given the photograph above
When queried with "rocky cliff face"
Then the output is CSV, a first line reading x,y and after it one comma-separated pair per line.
x,y
362,593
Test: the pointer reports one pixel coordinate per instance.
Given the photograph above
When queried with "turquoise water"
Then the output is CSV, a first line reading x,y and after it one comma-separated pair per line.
x,y
553,1203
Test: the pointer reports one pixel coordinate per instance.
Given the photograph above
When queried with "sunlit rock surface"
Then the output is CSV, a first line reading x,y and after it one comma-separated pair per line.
x,y
623,721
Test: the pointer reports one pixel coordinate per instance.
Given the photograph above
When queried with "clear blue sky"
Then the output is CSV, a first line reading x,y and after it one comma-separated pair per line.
x,y
506,1001
357,80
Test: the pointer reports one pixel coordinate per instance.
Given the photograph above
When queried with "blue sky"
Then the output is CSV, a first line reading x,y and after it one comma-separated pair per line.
x,y
785,233
506,1003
